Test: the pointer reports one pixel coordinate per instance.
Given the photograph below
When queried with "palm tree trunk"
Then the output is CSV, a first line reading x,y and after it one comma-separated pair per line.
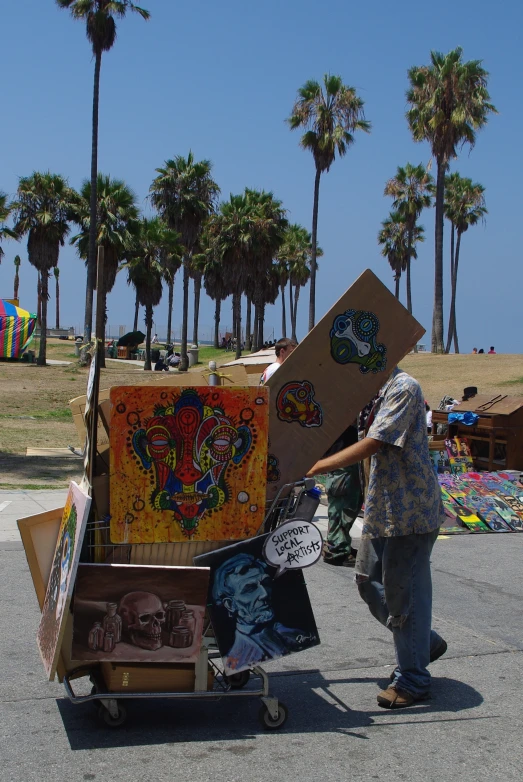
x,y
57,304
39,300
237,309
184,360
292,313
397,281
17,283
283,314
136,309
148,329
409,259
91,264
170,311
197,292
248,319
437,315
451,320
44,279
296,297
312,302
261,316
454,288
217,311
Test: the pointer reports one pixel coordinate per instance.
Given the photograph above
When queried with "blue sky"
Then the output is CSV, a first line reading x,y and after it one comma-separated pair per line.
x,y
220,79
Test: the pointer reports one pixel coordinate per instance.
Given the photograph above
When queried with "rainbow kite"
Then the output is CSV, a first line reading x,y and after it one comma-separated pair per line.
x,y
16,329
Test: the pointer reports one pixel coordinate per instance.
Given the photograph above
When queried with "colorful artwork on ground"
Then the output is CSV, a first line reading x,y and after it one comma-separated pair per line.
x,y
256,616
187,463
62,578
353,341
139,613
296,404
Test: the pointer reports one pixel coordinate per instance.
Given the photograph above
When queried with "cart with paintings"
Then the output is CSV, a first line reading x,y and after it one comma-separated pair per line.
x,y
176,568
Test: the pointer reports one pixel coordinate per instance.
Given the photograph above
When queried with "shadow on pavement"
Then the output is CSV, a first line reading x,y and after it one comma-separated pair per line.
x,y
316,705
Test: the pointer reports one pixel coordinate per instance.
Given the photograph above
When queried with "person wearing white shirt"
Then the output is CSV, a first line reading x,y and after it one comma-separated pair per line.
x,y
283,348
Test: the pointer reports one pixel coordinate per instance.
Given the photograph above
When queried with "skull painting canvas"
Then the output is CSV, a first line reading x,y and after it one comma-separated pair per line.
x,y
61,579
139,613
256,616
187,464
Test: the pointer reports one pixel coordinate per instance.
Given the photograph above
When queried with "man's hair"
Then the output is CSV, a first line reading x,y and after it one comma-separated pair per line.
x,y
284,342
238,566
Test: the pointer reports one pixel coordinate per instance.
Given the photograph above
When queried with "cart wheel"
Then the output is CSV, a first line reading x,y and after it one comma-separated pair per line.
x,y
273,724
113,722
237,681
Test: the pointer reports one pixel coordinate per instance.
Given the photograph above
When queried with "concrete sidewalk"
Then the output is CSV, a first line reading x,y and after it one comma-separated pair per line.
x,y
471,730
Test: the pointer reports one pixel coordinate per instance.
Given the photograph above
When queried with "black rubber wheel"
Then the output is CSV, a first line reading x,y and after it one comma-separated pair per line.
x,y
113,722
268,723
237,681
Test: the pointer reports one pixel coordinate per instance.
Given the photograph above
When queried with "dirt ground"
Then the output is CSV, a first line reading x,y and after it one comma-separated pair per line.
x,y
34,401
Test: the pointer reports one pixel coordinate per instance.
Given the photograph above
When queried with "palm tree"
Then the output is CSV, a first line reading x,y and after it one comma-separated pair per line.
x,y
99,17
42,209
411,189
295,252
393,237
214,283
184,193
117,226
17,263
172,264
146,270
449,102
464,206
56,272
282,270
330,117
5,232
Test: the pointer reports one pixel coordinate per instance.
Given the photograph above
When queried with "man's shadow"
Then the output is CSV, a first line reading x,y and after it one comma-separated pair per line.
x,y
314,704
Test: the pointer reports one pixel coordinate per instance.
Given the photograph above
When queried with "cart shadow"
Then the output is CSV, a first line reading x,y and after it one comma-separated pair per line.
x,y
315,704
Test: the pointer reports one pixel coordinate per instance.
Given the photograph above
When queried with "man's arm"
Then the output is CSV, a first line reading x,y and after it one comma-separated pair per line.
x,y
351,455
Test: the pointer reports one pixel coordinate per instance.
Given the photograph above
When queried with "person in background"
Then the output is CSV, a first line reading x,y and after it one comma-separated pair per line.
x,y
491,352
283,349
474,351
343,489
428,414
480,351
154,340
403,513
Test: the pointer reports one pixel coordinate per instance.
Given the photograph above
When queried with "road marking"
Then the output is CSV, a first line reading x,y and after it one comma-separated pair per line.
x,y
3,505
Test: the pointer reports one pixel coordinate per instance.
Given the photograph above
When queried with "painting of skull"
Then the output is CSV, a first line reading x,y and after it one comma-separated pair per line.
x,y
187,464
139,613
61,579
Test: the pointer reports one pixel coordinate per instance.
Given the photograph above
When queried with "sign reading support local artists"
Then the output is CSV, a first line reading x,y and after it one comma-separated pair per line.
x,y
295,544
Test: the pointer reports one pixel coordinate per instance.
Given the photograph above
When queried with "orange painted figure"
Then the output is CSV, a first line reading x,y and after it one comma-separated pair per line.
x,y
187,464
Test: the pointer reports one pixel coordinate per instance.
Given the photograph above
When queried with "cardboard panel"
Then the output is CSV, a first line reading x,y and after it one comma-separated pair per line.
x,y
187,464
337,369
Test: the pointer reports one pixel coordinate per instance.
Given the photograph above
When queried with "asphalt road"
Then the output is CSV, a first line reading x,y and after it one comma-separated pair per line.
x,y
470,730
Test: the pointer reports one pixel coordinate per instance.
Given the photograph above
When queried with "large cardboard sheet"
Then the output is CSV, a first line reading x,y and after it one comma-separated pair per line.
x,y
337,369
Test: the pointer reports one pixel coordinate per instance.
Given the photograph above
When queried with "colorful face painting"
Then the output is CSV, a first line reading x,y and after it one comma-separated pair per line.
x,y
353,341
295,403
187,464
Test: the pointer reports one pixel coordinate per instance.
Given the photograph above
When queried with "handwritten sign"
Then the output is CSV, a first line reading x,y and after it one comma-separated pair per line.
x,y
295,544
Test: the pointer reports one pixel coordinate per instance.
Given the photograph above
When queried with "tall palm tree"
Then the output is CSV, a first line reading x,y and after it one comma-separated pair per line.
x,y
214,283
449,103
330,116
172,264
99,17
398,240
146,270
184,193
56,272
411,189
117,227
17,263
282,270
5,232
464,206
42,209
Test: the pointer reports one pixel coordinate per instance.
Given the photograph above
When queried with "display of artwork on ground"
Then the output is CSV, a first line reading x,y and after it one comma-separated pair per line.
x,y
187,463
483,502
256,613
337,369
62,578
139,613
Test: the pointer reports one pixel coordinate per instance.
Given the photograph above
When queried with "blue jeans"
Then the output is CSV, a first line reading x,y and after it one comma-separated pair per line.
x,y
393,578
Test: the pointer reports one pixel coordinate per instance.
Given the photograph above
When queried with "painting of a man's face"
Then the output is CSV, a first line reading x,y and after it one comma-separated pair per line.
x,y
250,591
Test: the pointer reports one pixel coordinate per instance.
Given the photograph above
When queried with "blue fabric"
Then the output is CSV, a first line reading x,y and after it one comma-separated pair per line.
x,y
469,418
